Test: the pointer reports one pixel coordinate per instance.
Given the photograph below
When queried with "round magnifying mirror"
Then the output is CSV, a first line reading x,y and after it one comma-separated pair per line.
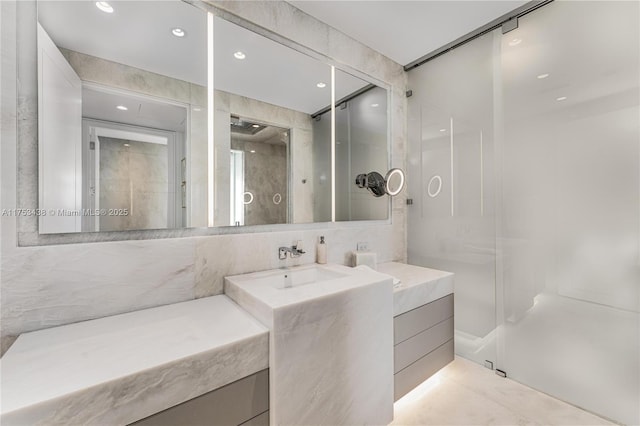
x,y
394,181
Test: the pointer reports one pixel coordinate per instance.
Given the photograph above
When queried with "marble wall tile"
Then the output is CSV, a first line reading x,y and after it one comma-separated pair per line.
x,y
47,286
113,74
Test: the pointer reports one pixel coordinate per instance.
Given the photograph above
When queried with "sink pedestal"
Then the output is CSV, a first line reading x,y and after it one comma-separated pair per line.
x,y
330,353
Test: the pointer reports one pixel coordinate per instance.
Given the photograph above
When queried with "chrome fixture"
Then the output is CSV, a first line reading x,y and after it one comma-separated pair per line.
x,y
295,251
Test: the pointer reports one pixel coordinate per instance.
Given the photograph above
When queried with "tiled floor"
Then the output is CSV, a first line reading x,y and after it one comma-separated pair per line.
x,y
465,393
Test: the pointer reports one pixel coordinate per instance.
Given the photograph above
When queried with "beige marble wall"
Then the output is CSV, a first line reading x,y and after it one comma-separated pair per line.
x,y
301,145
265,174
133,177
45,286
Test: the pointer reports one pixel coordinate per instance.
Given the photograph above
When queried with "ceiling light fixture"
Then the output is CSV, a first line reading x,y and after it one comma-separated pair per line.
x,y
375,105
561,98
515,42
104,6
239,55
253,151
321,85
255,125
541,76
127,145
122,107
443,130
178,32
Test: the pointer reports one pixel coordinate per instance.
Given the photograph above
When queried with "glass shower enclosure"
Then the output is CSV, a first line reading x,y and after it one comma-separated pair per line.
x,y
524,168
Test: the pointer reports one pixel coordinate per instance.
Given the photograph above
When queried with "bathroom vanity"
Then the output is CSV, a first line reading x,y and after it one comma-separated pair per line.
x,y
422,323
120,369
330,342
314,344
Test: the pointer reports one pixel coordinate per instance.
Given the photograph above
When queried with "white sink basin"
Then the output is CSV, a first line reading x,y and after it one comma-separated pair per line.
x,y
284,279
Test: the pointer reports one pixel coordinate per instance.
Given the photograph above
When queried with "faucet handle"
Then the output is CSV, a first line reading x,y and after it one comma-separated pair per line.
x,y
298,248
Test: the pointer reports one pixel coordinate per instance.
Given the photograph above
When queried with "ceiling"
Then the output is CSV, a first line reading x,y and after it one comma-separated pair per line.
x,y
270,72
406,30
141,111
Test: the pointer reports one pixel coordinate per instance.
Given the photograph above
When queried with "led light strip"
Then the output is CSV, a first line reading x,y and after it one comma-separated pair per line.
x,y
210,109
451,141
333,143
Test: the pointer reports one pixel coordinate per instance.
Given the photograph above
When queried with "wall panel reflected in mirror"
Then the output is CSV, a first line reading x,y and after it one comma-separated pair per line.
x,y
124,138
122,100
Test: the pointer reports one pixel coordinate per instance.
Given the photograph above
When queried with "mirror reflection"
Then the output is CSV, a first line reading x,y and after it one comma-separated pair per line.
x,y
259,165
122,101
127,140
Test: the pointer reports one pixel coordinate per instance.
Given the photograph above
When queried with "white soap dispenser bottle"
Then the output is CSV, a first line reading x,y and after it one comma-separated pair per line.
x,y
321,252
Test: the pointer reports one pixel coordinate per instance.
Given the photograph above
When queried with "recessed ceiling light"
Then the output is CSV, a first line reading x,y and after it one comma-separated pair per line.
x,y
561,98
515,42
178,32
239,55
375,105
196,109
443,130
321,85
252,151
255,125
126,144
104,6
122,107
541,76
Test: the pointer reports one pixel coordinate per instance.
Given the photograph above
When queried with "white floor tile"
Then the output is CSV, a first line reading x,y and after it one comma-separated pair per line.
x,y
465,393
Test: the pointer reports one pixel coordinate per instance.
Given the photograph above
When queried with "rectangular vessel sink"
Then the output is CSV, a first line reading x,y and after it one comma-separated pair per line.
x,y
330,342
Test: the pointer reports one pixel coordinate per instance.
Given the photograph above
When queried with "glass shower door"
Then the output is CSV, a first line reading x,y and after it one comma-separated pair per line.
x,y
450,173
569,205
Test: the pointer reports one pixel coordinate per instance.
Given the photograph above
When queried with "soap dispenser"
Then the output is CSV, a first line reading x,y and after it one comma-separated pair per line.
x,y
321,252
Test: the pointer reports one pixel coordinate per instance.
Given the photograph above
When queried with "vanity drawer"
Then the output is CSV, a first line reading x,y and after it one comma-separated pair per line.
x,y
240,402
259,420
416,373
421,344
419,319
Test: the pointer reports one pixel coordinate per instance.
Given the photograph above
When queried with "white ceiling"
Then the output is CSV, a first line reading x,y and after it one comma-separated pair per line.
x,y
406,30
137,33
141,111
270,72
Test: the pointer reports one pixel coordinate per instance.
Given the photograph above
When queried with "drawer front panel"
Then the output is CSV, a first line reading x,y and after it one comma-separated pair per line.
x,y
232,404
421,344
417,320
407,379
261,420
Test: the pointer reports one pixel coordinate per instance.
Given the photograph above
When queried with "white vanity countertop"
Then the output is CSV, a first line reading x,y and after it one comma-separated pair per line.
x,y
418,285
120,369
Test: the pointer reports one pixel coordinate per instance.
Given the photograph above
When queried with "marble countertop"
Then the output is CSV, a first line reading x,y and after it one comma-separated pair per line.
x,y
123,368
418,285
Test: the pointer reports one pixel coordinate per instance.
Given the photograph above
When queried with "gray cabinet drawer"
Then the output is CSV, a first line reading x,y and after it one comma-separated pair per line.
x,y
416,347
416,373
233,404
261,420
413,322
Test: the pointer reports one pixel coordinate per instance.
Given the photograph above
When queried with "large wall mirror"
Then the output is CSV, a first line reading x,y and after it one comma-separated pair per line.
x,y
160,115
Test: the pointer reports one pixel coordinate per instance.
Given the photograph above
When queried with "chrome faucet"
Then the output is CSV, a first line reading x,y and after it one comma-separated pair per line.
x,y
294,251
